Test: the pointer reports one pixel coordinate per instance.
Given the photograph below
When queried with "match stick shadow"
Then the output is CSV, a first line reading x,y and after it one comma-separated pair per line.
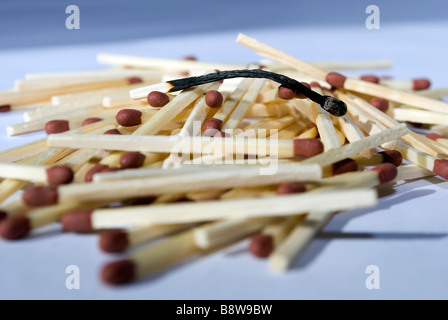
x,y
337,224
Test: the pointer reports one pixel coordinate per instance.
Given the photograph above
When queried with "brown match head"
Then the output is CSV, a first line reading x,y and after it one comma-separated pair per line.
x,y
291,187
3,215
420,84
119,272
131,160
91,120
57,126
57,175
392,156
143,200
113,241
386,172
94,170
441,168
5,108
15,228
77,221
134,80
307,147
370,78
286,93
343,166
129,117
157,99
315,84
261,245
40,196
214,99
336,79
434,136
211,127
301,95
112,131
380,103
190,57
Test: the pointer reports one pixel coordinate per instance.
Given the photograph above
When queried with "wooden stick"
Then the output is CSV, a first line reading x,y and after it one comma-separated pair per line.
x,y
238,176
351,149
231,209
235,97
225,232
420,116
341,81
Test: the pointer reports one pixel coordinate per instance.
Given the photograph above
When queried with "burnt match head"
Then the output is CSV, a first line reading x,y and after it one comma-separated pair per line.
x,y
335,106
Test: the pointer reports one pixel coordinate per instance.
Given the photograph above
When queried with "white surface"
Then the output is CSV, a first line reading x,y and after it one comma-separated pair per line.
x,y
405,236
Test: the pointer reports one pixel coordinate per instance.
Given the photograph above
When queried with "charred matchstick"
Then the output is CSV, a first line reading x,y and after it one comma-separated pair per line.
x,y
332,105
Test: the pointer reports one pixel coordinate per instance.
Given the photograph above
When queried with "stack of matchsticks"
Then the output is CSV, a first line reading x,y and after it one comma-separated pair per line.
x,y
200,156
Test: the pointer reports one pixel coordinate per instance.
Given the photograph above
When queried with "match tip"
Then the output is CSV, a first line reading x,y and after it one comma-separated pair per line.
x,y
420,84
392,156
157,99
94,170
307,147
190,57
91,120
261,245
119,272
112,131
386,172
345,165
15,228
211,127
40,196
131,160
129,117
77,220
214,99
286,93
291,187
113,241
335,106
336,79
441,168
57,126
57,175
380,103
370,78
134,80
434,136
5,108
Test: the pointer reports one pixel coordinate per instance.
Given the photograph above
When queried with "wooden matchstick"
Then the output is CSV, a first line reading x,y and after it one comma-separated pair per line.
x,y
231,209
54,175
113,190
420,116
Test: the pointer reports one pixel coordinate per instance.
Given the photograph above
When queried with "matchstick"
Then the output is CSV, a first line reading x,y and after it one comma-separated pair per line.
x,y
113,190
438,138
114,241
225,232
54,175
437,93
231,209
340,81
420,116
150,260
356,147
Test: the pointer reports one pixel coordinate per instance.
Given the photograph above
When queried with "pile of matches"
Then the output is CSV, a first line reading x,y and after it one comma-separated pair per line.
x,y
199,156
